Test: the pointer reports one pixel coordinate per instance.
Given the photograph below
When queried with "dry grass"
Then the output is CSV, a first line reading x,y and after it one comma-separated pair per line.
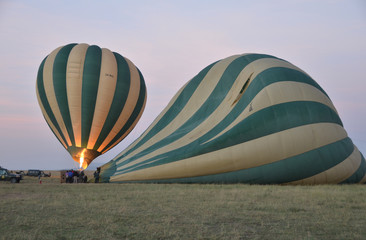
x,y
178,211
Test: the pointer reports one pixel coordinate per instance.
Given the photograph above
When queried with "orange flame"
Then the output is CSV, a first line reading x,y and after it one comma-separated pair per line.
x,y
82,158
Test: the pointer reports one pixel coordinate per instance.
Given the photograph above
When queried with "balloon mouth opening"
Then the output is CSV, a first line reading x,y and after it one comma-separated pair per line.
x,y
83,156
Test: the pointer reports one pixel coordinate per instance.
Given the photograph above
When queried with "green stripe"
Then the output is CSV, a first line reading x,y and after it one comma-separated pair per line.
x,y
59,83
262,123
214,100
119,98
89,92
138,108
107,171
45,103
359,174
178,105
262,80
274,119
291,169
329,155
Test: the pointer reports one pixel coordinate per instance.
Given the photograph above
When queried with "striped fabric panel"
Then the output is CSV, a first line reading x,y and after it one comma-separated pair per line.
x,y
134,104
90,83
90,97
107,85
46,109
133,119
74,81
349,166
254,153
48,84
59,84
214,121
258,125
280,172
242,101
191,126
358,176
167,114
199,94
123,86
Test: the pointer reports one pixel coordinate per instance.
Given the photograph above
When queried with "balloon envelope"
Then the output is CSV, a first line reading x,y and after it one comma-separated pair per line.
x,y
90,97
249,118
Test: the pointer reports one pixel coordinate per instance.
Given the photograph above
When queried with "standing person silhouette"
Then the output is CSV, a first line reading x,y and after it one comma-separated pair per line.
x,y
39,177
96,175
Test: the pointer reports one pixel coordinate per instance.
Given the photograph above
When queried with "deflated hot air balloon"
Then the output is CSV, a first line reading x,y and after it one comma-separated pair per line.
x,y
249,118
90,97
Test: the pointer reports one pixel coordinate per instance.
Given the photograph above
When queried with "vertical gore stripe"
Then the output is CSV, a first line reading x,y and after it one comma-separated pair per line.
x,y
106,88
119,99
133,95
89,90
46,105
59,83
50,92
134,116
74,80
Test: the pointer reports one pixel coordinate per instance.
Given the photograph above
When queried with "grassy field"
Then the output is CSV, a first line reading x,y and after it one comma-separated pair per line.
x,y
51,210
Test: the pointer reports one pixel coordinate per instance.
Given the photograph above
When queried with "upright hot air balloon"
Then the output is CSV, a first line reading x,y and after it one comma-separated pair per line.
x,y
250,118
90,97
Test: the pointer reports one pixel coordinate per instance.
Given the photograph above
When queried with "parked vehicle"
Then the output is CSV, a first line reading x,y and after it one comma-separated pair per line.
x,y
36,173
20,172
5,175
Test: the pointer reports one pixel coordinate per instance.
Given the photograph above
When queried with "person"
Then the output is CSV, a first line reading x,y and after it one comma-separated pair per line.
x,y
96,175
81,176
76,176
39,177
67,176
71,175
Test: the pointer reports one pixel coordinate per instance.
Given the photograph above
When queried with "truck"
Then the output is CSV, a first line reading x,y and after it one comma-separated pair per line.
x,y
5,175
36,173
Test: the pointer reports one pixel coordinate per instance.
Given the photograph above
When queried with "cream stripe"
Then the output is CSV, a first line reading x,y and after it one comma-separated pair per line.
x,y
130,128
106,90
275,94
363,180
242,78
260,151
154,122
48,120
269,96
50,92
133,95
198,98
336,174
74,79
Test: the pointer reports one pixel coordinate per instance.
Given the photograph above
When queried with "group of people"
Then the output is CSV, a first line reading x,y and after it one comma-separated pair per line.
x,y
75,177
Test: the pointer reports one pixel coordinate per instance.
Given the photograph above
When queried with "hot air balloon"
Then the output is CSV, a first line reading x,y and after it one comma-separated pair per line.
x,y
250,118
90,97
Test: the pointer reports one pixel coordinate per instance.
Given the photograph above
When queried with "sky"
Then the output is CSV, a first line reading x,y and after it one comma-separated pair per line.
x,y
170,42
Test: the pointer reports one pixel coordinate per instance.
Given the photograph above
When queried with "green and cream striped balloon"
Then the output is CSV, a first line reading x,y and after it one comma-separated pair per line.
x,y
249,118
90,97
